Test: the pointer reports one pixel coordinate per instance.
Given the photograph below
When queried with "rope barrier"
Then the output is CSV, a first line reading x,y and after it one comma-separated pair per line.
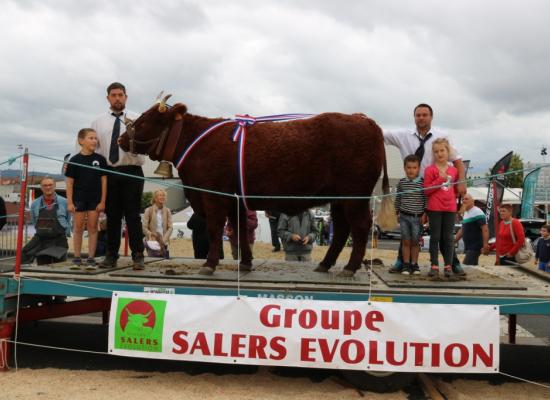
x,y
58,348
11,160
524,380
289,197
18,279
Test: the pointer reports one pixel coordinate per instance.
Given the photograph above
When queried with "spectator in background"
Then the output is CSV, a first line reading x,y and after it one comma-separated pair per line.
x,y
474,231
542,254
297,234
199,236
157,226
3,213
510,235
273,217
251,225
52,222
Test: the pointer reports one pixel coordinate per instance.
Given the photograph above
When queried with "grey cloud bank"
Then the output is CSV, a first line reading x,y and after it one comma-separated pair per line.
x,y
482,65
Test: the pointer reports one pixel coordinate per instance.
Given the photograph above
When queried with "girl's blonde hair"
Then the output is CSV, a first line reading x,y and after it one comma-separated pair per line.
x,y
445,142
156,192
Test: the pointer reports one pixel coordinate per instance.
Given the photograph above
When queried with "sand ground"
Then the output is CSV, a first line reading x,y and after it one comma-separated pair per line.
x,y
59,384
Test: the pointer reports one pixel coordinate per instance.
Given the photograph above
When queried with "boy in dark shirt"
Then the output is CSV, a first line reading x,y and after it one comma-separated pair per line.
x,y
86,192
542,255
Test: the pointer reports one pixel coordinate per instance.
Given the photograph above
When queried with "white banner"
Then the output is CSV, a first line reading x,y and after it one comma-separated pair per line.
x,y
375,336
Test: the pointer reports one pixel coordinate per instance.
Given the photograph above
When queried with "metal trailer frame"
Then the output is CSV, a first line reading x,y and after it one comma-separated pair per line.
x,y
97,288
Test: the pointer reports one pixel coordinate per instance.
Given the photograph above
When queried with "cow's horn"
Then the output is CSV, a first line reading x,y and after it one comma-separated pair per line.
x,y
162,104
159,97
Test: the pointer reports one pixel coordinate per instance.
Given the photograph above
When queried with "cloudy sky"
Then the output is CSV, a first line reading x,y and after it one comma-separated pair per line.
x,y
482,65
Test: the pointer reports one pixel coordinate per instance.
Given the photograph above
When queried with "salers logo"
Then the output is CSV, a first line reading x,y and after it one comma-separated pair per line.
x,y
140,324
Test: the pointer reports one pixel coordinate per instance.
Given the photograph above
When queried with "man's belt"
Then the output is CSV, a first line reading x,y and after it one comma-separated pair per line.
x,y
411,214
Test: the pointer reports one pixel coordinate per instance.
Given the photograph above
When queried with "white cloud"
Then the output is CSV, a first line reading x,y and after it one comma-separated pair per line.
x,y
482,65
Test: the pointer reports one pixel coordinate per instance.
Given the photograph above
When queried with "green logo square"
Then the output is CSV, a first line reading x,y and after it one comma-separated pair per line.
x,y
139,324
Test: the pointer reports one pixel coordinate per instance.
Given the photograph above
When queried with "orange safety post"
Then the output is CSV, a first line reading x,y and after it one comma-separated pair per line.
x,y
21,217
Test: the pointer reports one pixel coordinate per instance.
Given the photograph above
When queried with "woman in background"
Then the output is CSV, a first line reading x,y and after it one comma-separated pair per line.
x,y
157,226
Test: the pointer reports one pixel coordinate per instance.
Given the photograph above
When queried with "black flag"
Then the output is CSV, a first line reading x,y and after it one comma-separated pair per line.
x,y
496,192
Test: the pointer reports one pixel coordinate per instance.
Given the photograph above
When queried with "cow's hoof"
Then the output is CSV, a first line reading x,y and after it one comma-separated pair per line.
x,y
321,268
206,270
345,273
245,267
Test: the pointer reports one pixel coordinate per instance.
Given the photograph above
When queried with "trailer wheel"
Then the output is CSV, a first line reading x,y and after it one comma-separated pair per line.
x,y
378,381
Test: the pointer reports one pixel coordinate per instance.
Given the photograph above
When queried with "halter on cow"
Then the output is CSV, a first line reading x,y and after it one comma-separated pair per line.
x,y
329,157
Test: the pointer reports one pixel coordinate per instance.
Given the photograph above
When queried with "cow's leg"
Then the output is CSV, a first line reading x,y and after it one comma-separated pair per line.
x,y
341,231
215,221
246,252
359,217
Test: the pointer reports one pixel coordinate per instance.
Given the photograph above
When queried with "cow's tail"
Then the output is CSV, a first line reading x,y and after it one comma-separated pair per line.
x,y
386,217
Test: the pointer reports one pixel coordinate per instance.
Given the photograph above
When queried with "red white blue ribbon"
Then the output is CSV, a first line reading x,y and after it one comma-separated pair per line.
x,y
239,135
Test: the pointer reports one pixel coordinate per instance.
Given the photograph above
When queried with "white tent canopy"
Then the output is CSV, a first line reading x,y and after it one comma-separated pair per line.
x,y
511,195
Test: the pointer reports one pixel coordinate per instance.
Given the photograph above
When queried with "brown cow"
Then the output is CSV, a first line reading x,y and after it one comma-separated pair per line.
x,y
330,155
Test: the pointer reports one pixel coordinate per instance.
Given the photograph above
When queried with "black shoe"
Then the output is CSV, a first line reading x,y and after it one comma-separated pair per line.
x,y
415,269
275,249
108,262
139,263
406,270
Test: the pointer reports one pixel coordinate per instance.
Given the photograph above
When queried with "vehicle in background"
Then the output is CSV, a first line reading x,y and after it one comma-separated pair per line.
x,y
394,233
425,239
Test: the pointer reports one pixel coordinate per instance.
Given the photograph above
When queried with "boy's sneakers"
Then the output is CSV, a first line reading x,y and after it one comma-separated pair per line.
x,y
434,271
415,269
77,261
448,271
396,269
91,262
406,270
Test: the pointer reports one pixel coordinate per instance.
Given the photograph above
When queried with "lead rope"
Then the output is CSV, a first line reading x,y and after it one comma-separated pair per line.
x,y
371,271
238,248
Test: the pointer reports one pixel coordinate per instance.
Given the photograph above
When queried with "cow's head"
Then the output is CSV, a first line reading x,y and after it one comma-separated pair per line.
x,y
138,319
148,133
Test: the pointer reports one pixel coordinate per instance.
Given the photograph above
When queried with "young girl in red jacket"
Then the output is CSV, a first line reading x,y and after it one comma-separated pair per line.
x,y
439,179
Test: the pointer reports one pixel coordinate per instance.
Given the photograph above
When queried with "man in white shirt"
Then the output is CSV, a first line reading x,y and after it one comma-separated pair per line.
x,y
123,192
419,142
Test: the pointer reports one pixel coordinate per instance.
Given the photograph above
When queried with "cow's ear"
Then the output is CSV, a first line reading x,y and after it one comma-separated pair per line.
x,y
178,111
